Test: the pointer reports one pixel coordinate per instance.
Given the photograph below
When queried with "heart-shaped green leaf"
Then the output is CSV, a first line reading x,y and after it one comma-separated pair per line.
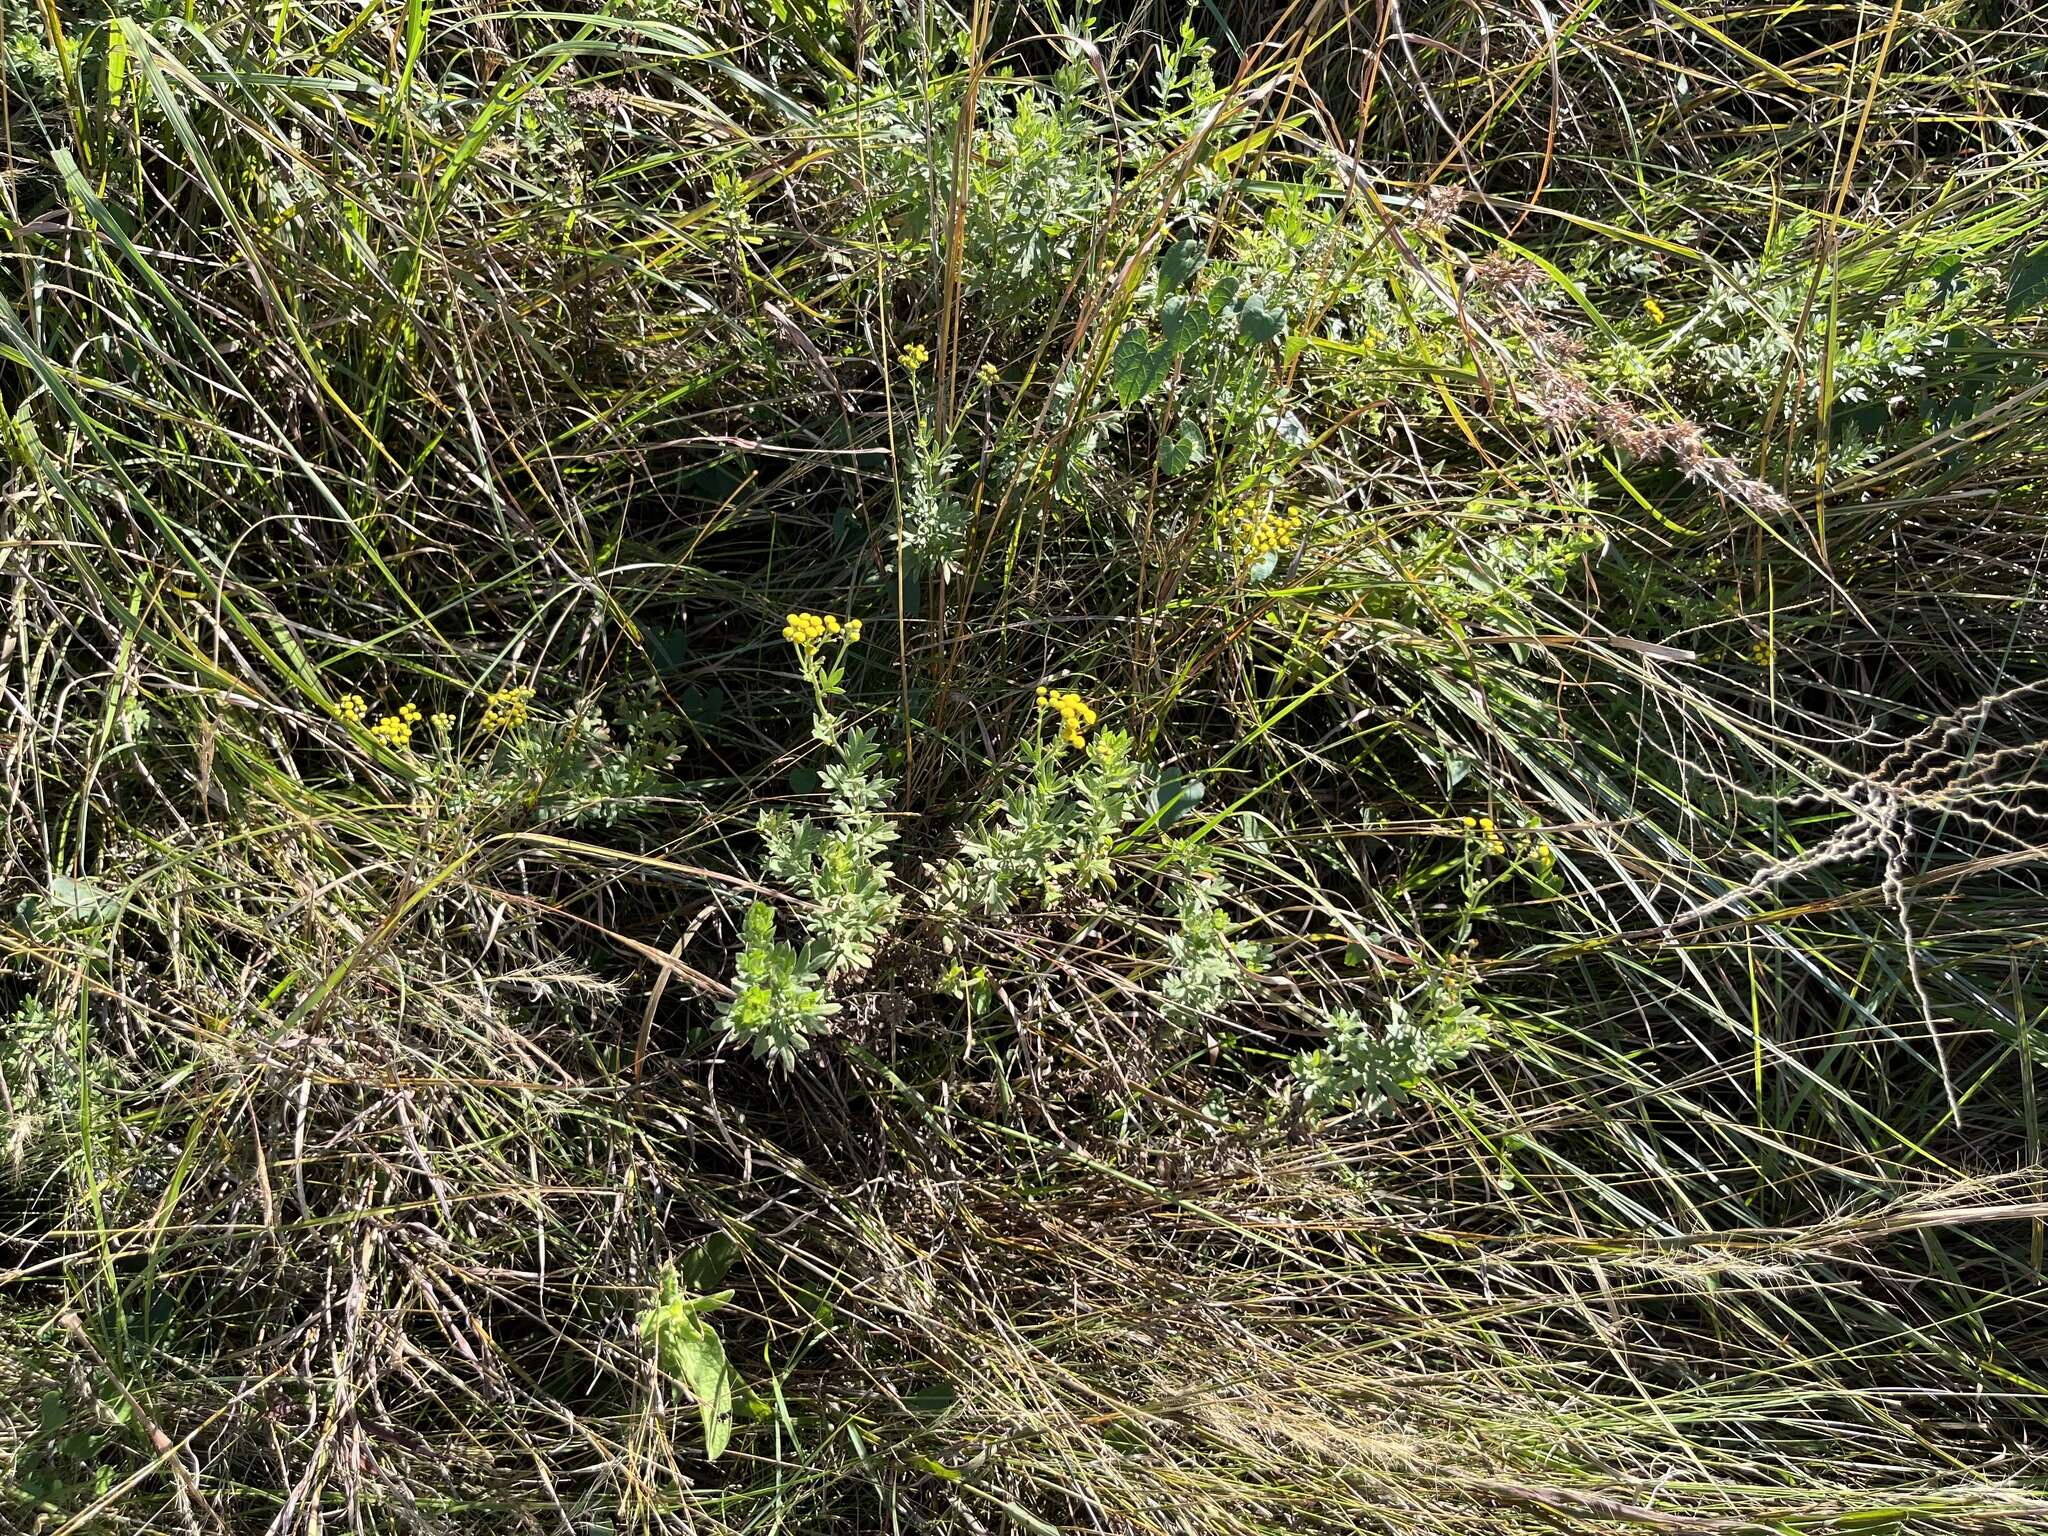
x,y
1182,449
1258,321
1137,368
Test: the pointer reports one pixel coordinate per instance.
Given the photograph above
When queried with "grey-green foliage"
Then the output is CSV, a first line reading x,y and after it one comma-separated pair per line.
x,y
1209,967
1873,344
841,870
1040,185
1360,1067
779,998
779,990
935,517
39,1065
608,778
1053,831
31,61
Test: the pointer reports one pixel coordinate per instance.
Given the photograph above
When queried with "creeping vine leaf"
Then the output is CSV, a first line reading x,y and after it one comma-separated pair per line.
x,y
1181,449
1179,262
1137,367
1256,321
1182,320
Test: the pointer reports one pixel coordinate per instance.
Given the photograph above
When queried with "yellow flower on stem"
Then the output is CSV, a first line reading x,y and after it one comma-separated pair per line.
x,y
506,709
1076,718
808,631
393,732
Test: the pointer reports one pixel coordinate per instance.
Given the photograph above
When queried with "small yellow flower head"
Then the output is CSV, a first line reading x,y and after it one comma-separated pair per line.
x,y
393,732
353,708
506,710
409,713
1075,715
808,631
1653,309
441,721
1261,531
914,356
989,374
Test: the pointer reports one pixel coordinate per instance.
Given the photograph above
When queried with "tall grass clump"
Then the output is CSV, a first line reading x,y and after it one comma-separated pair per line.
x,y
780,765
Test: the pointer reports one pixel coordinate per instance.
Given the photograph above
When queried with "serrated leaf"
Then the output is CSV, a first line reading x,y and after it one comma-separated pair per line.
x,y
1258,321
1137,368
1181,449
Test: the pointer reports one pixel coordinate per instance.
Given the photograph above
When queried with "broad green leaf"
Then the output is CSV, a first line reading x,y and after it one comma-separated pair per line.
x,y
696,1357
688,1348
2026,289
1137,367
706,1264
1177,263
1173,797
1183,321
1259,322
83,903
1182,449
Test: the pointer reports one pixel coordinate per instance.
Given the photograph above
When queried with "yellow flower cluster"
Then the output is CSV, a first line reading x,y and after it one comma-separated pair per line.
x,y
1527,842
808,631
1075,715
505,709
1653,309
395,731
914,356
441,721
1488,834
1261,531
